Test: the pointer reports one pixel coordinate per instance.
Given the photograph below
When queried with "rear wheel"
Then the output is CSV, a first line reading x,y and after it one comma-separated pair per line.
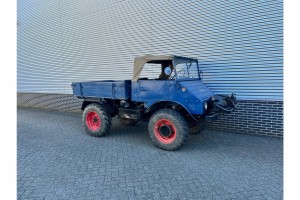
x,y
96,121
168,129
128,122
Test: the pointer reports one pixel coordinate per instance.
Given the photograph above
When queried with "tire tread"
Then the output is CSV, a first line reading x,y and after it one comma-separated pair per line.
x,y
105,117
182,133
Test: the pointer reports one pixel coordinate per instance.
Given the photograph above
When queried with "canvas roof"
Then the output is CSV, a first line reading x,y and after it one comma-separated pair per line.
x,y
140,61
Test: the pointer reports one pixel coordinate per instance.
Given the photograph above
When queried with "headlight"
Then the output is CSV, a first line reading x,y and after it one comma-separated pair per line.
x,y
205,105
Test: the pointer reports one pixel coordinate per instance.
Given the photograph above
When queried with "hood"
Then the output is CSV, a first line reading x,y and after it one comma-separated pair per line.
x,y
198,89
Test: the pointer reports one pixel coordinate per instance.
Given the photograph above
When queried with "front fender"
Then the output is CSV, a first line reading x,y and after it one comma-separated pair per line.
x,y
162,104
155,103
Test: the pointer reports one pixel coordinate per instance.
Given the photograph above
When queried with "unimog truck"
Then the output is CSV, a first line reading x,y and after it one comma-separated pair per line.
x,y
175,104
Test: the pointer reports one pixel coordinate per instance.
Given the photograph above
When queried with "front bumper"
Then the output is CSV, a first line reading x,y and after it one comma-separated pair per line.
x,y
220,104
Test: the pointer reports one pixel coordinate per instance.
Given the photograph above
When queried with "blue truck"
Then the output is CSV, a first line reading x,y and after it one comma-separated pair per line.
x,y
175,104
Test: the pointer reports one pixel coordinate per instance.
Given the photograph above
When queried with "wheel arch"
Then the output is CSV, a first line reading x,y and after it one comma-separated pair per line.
x,y
169,104
85,103
107,104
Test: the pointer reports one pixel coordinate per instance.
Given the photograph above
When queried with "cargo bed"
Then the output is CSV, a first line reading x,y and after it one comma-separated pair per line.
x,y
103,89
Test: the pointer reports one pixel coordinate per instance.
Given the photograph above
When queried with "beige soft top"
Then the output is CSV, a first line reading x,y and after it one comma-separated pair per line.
x,y
140,61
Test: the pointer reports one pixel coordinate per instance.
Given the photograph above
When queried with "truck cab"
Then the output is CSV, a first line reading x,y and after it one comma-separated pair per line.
x,y
179,82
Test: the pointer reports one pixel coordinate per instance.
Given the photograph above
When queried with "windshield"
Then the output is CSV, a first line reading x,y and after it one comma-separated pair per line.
x,y
186,69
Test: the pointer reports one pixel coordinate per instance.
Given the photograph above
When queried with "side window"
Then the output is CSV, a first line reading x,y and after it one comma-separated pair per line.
x,y
151,71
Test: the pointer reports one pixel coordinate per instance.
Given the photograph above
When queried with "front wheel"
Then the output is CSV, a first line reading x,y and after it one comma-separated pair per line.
x,y
96,121
168,129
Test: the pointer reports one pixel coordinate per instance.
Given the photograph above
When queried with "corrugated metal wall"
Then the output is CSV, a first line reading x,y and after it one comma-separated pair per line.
x,y
239,43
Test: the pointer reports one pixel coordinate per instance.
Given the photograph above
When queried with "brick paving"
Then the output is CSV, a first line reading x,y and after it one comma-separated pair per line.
x,y
57,160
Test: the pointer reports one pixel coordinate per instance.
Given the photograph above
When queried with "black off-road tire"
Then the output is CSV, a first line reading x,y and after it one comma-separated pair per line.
x,y
168,129
96,121
128,122
196,128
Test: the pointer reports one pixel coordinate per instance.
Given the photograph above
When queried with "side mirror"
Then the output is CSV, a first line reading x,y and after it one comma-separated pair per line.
x,y
168,71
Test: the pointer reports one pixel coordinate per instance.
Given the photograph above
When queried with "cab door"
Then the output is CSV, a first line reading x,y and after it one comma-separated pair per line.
x,y
150,91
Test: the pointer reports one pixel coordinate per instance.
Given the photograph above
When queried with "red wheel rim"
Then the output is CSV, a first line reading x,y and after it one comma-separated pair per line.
x,y
165,131
93,121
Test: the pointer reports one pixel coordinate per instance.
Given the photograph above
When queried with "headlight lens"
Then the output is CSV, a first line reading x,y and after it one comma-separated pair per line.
x,y
205,105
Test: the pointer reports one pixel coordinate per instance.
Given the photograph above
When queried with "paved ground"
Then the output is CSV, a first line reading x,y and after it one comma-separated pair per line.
x,y
57,160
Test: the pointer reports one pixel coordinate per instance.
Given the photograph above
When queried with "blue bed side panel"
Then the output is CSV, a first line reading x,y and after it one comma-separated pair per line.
x,y
103,89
